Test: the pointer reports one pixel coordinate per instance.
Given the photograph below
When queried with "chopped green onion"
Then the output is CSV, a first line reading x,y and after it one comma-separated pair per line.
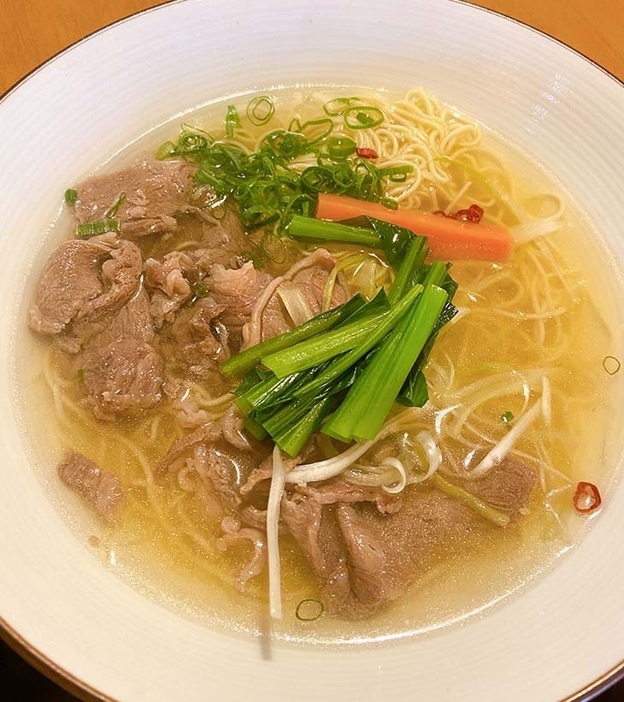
x,y
316,130
507,418
317,178
200,289
309,610
71,195
389,203
260,110
335,107
114,208
611,364
362,117
396,174
166,150
232,121
295,125
191,143
89,229
286,145
267,185
340,147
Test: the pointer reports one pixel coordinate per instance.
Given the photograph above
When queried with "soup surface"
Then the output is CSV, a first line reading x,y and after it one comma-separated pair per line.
x,y
180,258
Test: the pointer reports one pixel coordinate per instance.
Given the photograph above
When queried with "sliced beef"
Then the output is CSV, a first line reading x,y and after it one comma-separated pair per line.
x,y
233,429
169,285
145,197
508,489
210,237
122,372
234,534
101,489
365,558
196,343
222,238
208,462
121,277
85,280
338,490
237,290
189,445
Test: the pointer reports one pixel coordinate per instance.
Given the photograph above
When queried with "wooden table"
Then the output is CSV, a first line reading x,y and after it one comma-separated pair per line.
x,y
33,30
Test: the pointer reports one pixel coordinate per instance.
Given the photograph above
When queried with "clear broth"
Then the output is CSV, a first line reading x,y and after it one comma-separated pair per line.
x,y
165,563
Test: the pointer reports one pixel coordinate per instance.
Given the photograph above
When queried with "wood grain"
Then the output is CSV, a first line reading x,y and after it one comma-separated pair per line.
x,y
31,32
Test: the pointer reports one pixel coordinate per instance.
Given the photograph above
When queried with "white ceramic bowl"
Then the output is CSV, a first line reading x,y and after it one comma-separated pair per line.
x,y
564,633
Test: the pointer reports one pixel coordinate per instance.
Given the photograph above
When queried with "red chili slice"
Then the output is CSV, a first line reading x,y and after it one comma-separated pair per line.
x,y
364,152
474,213
587,497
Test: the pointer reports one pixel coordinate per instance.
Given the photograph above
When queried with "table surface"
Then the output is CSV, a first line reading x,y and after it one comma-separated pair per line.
x,y
33,31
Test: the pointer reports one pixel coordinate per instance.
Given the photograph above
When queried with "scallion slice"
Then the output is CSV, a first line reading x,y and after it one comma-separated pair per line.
x,y
114,208
102,226
260,110
232,121
336,107
71,195
362,117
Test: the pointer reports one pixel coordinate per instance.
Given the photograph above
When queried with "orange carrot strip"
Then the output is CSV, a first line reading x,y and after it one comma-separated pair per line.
x,y
449,239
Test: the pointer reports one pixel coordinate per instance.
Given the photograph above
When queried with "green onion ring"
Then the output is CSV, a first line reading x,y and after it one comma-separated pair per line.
x,y
317,129
340,147
316,606
362,117
260,110
335,107
611,364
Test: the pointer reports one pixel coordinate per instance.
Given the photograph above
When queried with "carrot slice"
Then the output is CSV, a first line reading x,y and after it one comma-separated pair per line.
x,y
449,239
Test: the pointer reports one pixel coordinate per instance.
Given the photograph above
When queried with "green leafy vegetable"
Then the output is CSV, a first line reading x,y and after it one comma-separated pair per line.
x,y
366,406
248,358
342,371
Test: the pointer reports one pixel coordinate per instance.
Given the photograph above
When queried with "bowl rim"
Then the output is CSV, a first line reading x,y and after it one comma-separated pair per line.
x,y
44,663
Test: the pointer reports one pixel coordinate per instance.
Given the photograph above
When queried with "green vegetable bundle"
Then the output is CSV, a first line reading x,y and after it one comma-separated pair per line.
x,y
342,371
